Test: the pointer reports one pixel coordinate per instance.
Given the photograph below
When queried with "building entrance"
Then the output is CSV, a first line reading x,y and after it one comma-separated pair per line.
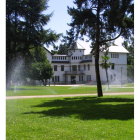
x,y
73,79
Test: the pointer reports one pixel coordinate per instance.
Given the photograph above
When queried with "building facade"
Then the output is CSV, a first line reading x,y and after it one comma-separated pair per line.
x,y
78,67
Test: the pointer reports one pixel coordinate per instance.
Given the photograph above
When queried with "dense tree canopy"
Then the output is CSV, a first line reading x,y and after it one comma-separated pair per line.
x,y
101,21
24,30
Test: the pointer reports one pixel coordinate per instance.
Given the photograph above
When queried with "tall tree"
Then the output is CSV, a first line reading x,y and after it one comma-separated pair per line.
x,y
24,30
101,21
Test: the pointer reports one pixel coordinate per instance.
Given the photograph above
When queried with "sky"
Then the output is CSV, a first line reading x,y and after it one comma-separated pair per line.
x,y
60,18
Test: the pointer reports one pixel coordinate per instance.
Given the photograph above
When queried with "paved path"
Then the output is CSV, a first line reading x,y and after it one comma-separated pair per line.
x,y
70,95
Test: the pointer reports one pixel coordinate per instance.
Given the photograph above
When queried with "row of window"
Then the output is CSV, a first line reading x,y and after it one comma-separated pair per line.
x,y
88,78
59,57
88,66
74,67
56,78
76,57
55,67
114,55
88,57
74,50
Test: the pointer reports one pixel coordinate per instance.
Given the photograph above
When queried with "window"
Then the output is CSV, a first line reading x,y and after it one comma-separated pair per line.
x,y
56,78
114,55
88,77
84,67
65,78
62,67
112,66
55,67
88,67
81,78
78,67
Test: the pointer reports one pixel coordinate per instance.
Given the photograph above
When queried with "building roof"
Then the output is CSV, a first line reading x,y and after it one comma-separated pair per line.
x,y
59,55
60,62
48,50
79,46
84,61
118,49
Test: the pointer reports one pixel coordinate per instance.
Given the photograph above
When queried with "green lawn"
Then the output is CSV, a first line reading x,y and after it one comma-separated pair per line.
x,y
79,118
59,90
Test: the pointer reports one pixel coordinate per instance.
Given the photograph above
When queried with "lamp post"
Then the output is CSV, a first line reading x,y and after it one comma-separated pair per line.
x,y
121,75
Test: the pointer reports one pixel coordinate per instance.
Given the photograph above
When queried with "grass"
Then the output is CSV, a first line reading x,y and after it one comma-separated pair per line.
x,y
129,85
79,118
59,90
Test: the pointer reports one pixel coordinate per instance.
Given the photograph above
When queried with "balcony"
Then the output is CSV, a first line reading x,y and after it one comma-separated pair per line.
x,y
74,73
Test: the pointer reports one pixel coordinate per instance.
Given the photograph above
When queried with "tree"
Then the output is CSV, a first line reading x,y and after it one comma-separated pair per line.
x,y
24,30
100,21
106,65
40,67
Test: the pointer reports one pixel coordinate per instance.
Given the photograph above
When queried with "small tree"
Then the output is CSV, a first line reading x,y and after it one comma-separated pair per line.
x,y
105,65
40,68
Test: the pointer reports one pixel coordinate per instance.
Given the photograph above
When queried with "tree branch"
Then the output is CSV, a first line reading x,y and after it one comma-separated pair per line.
x,y
100,42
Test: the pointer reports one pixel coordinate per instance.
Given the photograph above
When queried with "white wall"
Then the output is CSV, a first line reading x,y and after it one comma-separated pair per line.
x,y
49,56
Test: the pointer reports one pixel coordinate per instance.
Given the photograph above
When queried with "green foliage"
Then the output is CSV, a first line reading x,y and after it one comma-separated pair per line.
x,y
40,68
130,48
104,63
84,19
25,23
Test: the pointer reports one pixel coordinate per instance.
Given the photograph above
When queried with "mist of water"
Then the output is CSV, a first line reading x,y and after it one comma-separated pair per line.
x,y
52,91
16,74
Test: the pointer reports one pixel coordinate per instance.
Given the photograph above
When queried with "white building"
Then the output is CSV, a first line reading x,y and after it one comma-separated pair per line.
x,y
78,67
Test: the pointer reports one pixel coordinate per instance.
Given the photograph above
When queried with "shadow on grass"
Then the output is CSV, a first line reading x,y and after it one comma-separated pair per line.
x,y
88,108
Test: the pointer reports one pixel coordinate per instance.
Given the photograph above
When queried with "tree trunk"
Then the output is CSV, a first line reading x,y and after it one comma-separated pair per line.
x,y
107,77
98,80
49,82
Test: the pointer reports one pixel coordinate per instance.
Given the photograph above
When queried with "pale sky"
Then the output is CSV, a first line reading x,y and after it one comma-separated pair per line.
x,y
60,18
